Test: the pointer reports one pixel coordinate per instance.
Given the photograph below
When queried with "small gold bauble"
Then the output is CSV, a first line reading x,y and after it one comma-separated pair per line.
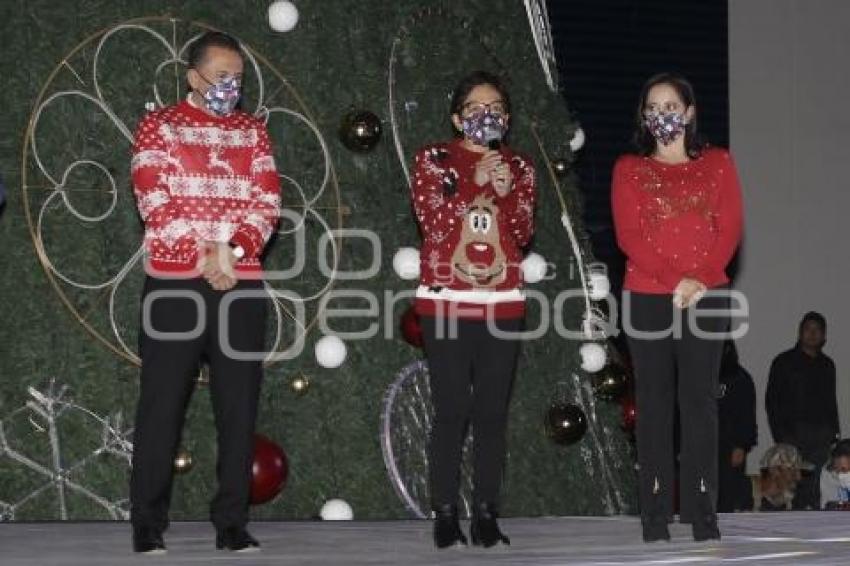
x,y
300,384
560,166
183,461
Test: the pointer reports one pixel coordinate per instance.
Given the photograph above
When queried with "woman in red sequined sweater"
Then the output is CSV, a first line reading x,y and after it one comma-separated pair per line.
x,y
678,219
474,201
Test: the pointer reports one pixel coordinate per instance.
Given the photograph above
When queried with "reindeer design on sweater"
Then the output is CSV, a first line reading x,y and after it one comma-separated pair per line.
x,y
478,258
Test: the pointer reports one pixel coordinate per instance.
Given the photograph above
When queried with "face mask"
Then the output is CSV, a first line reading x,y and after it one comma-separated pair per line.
x,y
844,479
221,97
665,127
484,127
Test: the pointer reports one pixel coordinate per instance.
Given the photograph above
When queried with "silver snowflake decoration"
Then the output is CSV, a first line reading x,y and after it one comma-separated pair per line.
x,y
39,421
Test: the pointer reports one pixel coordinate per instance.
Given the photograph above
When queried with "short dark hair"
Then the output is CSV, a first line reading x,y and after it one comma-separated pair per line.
x,y
815,317
644,141
474,79
198,48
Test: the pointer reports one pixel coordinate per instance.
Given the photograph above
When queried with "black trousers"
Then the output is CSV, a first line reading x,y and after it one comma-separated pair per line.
x,y
671,368
735,490
169,372
471,375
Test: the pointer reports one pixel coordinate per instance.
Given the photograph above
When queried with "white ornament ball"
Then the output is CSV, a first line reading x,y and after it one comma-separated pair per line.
x,y
283,16
577,142
593,357
406,263
330,352
598,286
534,268
336,510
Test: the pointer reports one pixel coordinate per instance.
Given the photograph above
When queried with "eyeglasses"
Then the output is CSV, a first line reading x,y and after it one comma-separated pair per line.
x,y
652,108
495,107
221,78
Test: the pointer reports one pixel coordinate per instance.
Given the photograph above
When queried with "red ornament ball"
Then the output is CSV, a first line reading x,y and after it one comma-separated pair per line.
x,y
269,471
411,329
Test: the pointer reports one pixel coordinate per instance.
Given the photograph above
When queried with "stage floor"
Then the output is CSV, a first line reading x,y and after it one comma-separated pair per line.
x,y
766,538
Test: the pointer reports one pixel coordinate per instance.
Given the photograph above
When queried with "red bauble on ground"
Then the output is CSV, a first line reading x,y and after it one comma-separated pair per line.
x,y
269,471
411,330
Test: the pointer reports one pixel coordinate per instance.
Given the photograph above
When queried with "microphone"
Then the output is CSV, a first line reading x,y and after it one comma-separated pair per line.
x,y
493,138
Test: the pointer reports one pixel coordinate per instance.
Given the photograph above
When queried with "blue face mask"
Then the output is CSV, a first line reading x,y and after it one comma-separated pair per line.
x,y
222,97
484,127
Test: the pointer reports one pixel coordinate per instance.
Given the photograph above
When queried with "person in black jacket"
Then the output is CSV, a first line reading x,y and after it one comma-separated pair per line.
x,y
801,404
736,407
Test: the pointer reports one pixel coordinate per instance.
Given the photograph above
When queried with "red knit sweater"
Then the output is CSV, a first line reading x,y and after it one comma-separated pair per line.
x,y
200,177
676,221
472,239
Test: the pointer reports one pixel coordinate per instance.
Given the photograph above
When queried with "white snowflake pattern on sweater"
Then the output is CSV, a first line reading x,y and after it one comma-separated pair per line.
x,y
198,177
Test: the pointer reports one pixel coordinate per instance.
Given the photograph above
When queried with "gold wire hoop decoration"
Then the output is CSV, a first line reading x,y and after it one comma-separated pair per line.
x,y
38,244
565,220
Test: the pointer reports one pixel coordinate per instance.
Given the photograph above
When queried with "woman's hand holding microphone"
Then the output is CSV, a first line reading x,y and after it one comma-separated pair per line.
x,y
491,168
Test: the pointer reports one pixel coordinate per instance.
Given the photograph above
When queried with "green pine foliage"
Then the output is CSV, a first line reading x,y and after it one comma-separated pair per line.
x,y
336,59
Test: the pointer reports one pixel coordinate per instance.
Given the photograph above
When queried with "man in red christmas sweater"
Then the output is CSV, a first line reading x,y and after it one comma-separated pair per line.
x,y
208,192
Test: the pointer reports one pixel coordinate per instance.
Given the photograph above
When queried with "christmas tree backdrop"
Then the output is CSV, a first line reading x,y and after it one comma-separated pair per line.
x,y
80,74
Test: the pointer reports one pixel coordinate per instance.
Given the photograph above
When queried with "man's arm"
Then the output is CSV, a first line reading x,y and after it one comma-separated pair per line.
x,y
774,401
832,403
260,220
747,433
149,168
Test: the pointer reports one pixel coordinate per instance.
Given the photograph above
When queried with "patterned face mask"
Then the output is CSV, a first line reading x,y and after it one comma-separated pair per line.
x,y
844,480
484,127
666,126
221,97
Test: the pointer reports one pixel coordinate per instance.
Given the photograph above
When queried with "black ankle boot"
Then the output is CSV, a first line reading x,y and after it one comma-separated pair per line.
x,y
705,528
447,527
654,519
484,530
655,528
705,519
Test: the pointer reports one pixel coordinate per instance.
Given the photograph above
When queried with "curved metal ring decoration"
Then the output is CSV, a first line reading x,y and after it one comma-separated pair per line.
x,y
59,191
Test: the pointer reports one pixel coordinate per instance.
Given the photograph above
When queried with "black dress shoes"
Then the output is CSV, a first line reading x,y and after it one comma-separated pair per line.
x,y
147,540
236,539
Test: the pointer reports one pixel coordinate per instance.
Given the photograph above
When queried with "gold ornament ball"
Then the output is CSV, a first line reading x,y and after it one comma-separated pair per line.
x,y
183,461
300,385
560,167
360,130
